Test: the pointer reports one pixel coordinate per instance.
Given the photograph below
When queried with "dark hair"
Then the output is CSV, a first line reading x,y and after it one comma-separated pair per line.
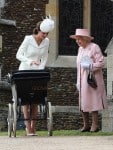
x,y
37,28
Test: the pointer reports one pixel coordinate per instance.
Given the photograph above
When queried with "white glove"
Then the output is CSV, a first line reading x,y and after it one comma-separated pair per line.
x,y
78,86
85,65
86,61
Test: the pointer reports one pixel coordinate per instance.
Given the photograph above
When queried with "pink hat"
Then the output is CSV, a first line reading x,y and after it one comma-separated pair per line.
x,y
81,32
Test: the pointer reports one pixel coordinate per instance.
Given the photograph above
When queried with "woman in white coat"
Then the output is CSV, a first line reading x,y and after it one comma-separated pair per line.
x,y
33,54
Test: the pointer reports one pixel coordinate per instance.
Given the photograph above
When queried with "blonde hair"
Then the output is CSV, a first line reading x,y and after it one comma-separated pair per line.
x,y
87,39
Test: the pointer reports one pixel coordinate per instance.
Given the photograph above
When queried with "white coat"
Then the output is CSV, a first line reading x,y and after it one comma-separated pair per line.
x,y
30,51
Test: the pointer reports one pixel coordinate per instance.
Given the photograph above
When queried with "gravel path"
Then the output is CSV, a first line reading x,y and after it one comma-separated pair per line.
x,y
57,143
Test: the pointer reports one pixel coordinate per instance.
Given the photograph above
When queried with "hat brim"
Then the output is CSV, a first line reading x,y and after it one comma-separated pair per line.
x,y
76,36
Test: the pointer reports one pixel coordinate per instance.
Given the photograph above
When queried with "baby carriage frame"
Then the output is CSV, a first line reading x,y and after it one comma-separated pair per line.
x,y
29,87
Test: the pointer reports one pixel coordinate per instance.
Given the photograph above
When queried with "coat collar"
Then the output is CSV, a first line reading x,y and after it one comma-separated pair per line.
x,y
34,43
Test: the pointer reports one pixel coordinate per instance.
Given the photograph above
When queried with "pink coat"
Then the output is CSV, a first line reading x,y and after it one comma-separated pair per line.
x,y
91,99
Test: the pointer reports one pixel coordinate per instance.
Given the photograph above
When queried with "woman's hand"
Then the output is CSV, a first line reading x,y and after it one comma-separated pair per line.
x,y
35,63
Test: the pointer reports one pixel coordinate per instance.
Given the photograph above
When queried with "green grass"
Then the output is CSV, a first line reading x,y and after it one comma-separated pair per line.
x,y
62,133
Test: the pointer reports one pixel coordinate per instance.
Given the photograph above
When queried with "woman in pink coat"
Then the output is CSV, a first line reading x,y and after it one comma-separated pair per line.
x,y
90,99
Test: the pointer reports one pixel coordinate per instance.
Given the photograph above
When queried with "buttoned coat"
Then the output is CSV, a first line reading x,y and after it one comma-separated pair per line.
x,y
30,51
91,99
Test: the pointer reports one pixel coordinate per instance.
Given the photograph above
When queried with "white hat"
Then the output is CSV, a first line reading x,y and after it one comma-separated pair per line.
x,y
47,25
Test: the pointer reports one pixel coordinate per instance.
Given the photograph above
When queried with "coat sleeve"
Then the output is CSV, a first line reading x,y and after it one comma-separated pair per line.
x,y
98,58
78,67
44,57
22,50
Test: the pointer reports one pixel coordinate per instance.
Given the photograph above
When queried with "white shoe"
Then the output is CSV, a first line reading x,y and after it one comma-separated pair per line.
x,y
34,134
30,134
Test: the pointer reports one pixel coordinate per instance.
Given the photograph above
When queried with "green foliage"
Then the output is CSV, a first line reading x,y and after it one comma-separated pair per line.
x,y
62,133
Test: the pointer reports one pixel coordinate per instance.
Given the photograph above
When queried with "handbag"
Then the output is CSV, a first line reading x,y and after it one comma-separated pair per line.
x,y
91,80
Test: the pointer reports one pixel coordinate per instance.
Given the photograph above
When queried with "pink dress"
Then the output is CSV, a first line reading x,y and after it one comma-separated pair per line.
x,y
91,99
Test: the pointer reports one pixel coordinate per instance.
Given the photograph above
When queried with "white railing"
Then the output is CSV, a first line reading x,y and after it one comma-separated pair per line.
x,y
0,72
2,3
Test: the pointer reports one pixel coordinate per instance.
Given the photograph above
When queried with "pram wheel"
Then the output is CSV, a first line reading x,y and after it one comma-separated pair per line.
x,y
15,119
49,119
11,120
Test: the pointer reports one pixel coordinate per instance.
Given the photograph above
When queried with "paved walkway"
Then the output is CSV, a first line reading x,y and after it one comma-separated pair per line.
x,y
57,143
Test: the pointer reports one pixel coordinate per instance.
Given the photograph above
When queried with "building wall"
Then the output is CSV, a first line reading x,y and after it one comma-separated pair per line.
x,y
28,13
